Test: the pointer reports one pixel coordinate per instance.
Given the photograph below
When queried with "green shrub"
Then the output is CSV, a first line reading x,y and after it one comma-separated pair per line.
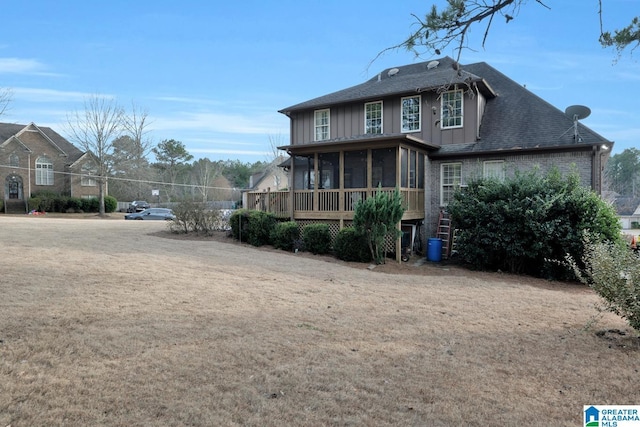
x,y
284,235
239,223
110,204
91,205
261,224
74,204
351,245
522,224
317,238
376,218
612,270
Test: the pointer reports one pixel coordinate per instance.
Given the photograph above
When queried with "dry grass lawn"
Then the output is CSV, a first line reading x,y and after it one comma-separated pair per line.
x,y
115,323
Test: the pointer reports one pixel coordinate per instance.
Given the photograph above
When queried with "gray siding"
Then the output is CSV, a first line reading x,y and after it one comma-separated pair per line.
x,y
347,120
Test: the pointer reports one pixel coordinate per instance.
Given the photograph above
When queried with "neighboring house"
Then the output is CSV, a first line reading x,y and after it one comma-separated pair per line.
x,y
428,129
271,179
628,209
34,158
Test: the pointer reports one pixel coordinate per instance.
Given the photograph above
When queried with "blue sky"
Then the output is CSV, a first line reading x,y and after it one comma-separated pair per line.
x,y
214,75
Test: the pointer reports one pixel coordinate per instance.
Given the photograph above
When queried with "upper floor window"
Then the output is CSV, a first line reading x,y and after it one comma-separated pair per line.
x,y
322,125
44,171
451,109
450,180
410,114
493,169
14,160
373,117
89,172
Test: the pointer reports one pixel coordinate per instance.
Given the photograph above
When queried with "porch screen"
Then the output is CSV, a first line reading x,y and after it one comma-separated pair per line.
x,y
304,177
355,169
329,170
383,164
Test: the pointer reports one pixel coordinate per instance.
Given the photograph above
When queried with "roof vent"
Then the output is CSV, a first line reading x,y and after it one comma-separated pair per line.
x,y
433,64
392,72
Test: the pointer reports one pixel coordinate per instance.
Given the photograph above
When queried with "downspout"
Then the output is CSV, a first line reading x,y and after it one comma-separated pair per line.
x,y
29,176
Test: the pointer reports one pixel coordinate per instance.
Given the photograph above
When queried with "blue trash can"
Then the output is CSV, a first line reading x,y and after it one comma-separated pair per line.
x,y
434,249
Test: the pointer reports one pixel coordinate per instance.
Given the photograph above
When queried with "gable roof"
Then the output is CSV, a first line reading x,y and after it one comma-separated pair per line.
x,y
8,130
514,118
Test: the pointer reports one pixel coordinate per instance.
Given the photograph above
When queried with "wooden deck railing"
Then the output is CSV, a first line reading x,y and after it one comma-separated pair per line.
x,y
327,201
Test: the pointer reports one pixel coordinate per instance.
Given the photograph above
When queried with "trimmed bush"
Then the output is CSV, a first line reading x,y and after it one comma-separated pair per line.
x,y
351,245
239,222
522,224
284,235
110,204
194,217
317,238
261,225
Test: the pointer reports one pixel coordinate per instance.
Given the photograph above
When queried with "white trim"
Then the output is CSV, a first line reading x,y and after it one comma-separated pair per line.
x,y
316,126
381,117
500,175
442,106
442,203
402,129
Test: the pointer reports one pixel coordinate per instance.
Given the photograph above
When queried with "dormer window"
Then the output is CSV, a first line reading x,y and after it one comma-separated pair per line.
x,y
322,125
410,113
451,109
373,117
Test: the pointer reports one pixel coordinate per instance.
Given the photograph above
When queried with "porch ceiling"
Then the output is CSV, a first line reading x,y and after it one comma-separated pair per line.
x,y
346,143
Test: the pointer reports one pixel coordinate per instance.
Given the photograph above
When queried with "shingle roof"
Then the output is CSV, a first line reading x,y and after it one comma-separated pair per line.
x,y
514,118
411,78
7,130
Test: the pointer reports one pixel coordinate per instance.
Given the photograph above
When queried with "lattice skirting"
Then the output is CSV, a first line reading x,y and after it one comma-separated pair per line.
x,y
334,228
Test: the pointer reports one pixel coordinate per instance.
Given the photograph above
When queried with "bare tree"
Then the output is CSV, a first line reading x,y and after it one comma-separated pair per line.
x,y
137,147
94,129
5,99
205,172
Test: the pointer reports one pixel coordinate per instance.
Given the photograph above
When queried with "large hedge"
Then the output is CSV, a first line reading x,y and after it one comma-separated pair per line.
x,y
523,224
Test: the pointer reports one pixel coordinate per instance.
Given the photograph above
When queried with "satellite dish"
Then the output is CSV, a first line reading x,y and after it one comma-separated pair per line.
x,y
433,64
393,72
578,112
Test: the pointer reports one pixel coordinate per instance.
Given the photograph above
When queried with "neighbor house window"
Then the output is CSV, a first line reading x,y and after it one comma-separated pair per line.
x,y
493,169
451,109
373,117
450,179
322,125
410,114
14,160
44,171
88,175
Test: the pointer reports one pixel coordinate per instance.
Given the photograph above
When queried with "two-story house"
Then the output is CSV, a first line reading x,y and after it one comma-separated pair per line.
x,y
34,158
428,129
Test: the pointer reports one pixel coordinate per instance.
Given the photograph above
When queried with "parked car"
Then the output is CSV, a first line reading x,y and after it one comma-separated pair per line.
x,y
152,214
138,206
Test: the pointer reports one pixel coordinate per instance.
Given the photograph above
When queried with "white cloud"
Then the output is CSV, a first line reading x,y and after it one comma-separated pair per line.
x,y
221,123
47,95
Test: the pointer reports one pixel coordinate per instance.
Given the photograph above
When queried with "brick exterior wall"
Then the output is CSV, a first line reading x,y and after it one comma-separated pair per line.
x,y
473,168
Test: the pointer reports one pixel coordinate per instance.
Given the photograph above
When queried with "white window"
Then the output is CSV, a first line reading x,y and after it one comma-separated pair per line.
x,y
451,109
14,160
373,117
494,169
89,172
450,180
410,114
322,125
44,171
